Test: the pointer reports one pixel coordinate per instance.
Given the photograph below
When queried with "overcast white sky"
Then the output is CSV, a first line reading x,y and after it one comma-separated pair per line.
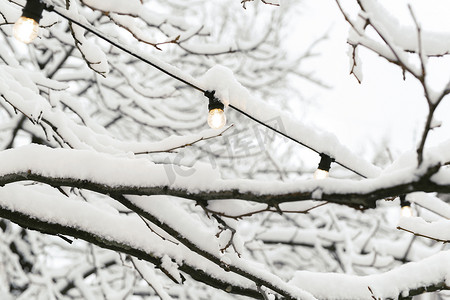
x,y
384,108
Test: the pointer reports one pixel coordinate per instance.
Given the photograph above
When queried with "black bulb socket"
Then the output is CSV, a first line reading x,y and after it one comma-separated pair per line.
x,y
214,103
403,201
325,162
33,9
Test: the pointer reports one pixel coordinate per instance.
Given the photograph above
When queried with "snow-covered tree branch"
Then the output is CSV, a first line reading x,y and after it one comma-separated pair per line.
x,y
113,187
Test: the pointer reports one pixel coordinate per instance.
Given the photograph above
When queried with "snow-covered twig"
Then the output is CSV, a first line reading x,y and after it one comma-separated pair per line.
x,y
438,231
203,138
390,284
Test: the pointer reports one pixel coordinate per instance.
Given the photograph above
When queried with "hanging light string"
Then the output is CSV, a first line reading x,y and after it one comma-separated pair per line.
x,y
126,49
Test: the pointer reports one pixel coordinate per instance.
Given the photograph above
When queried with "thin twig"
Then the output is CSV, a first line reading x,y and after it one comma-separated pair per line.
x,y
157,291
267,209
262,292
152,230
422,235
186,145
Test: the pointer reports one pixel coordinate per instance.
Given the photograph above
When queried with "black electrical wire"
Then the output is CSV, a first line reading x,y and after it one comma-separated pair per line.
x,y
33,9
94,31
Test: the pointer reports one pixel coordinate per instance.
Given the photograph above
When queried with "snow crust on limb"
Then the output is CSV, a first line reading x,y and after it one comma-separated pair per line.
x,y
439,230
204,238
106,143
173,26
20,88
148,273
136,8
129,171
140,172
93,55
49,206
123,44
46,204
230,91
123,7
431,203
433,43
433,270
300,235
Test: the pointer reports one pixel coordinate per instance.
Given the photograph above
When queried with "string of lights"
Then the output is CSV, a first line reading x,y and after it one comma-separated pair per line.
x,y
26,30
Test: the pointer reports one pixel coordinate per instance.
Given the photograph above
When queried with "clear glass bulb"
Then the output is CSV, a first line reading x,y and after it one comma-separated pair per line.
x,y
406,211
25,30
216,118
321,174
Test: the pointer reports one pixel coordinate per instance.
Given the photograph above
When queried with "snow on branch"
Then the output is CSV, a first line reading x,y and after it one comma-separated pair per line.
x,y
101,191
19,89
392,48
190,232
132,7
91,53
272,2
176,29
379,252
431,203
231,92
110,174
438,231
148,274
41,210
51,213
433,44
434,275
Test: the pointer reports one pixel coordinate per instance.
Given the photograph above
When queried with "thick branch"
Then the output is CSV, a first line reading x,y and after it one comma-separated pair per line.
x,y
385,285
222,189
64,216
428,289
238,269
54,228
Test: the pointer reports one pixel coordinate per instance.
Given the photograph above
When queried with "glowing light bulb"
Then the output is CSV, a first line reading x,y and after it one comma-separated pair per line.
x,y
406,211
321,174
216,118
26,29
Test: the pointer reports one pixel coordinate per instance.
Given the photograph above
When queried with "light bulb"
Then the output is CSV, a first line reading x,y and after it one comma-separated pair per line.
x,y
321,174
216,118
406,211
25,29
